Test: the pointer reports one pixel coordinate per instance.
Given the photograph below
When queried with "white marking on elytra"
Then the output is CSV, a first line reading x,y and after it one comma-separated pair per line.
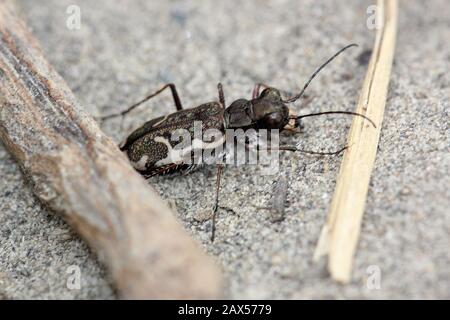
x,y
183,155
140,165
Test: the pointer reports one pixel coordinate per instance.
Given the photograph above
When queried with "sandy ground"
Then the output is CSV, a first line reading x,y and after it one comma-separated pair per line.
x,y
126,49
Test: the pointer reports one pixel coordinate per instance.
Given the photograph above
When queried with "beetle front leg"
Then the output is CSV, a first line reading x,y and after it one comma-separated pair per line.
x,y
295,149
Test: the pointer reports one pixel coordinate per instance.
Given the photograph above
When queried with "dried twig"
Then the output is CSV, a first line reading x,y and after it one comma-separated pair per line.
x,y
340,235
80,173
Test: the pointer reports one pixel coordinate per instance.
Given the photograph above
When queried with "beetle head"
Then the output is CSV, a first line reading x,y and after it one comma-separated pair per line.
x,y
265,112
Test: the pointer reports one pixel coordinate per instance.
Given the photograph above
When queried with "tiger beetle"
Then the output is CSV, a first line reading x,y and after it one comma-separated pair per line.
x,y
148,147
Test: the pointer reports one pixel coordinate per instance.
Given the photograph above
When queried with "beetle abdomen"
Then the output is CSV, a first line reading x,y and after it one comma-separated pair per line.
x,y
152,150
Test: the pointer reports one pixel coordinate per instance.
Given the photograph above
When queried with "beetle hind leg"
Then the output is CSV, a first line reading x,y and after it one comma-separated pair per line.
x,y
216,201
175,96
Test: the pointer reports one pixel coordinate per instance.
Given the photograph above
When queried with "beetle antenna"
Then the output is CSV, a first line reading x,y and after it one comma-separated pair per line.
x,y
335,112
298,96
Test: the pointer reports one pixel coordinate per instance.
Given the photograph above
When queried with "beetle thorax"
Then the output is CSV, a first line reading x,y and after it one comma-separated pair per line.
x,y
264,112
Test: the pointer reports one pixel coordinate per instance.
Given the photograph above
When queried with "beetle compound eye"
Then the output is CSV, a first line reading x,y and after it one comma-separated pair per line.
x,y
273,120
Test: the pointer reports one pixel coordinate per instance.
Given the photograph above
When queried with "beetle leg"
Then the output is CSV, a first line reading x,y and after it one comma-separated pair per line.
x,y
216,201
175,96
295,149
257,88
221,95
